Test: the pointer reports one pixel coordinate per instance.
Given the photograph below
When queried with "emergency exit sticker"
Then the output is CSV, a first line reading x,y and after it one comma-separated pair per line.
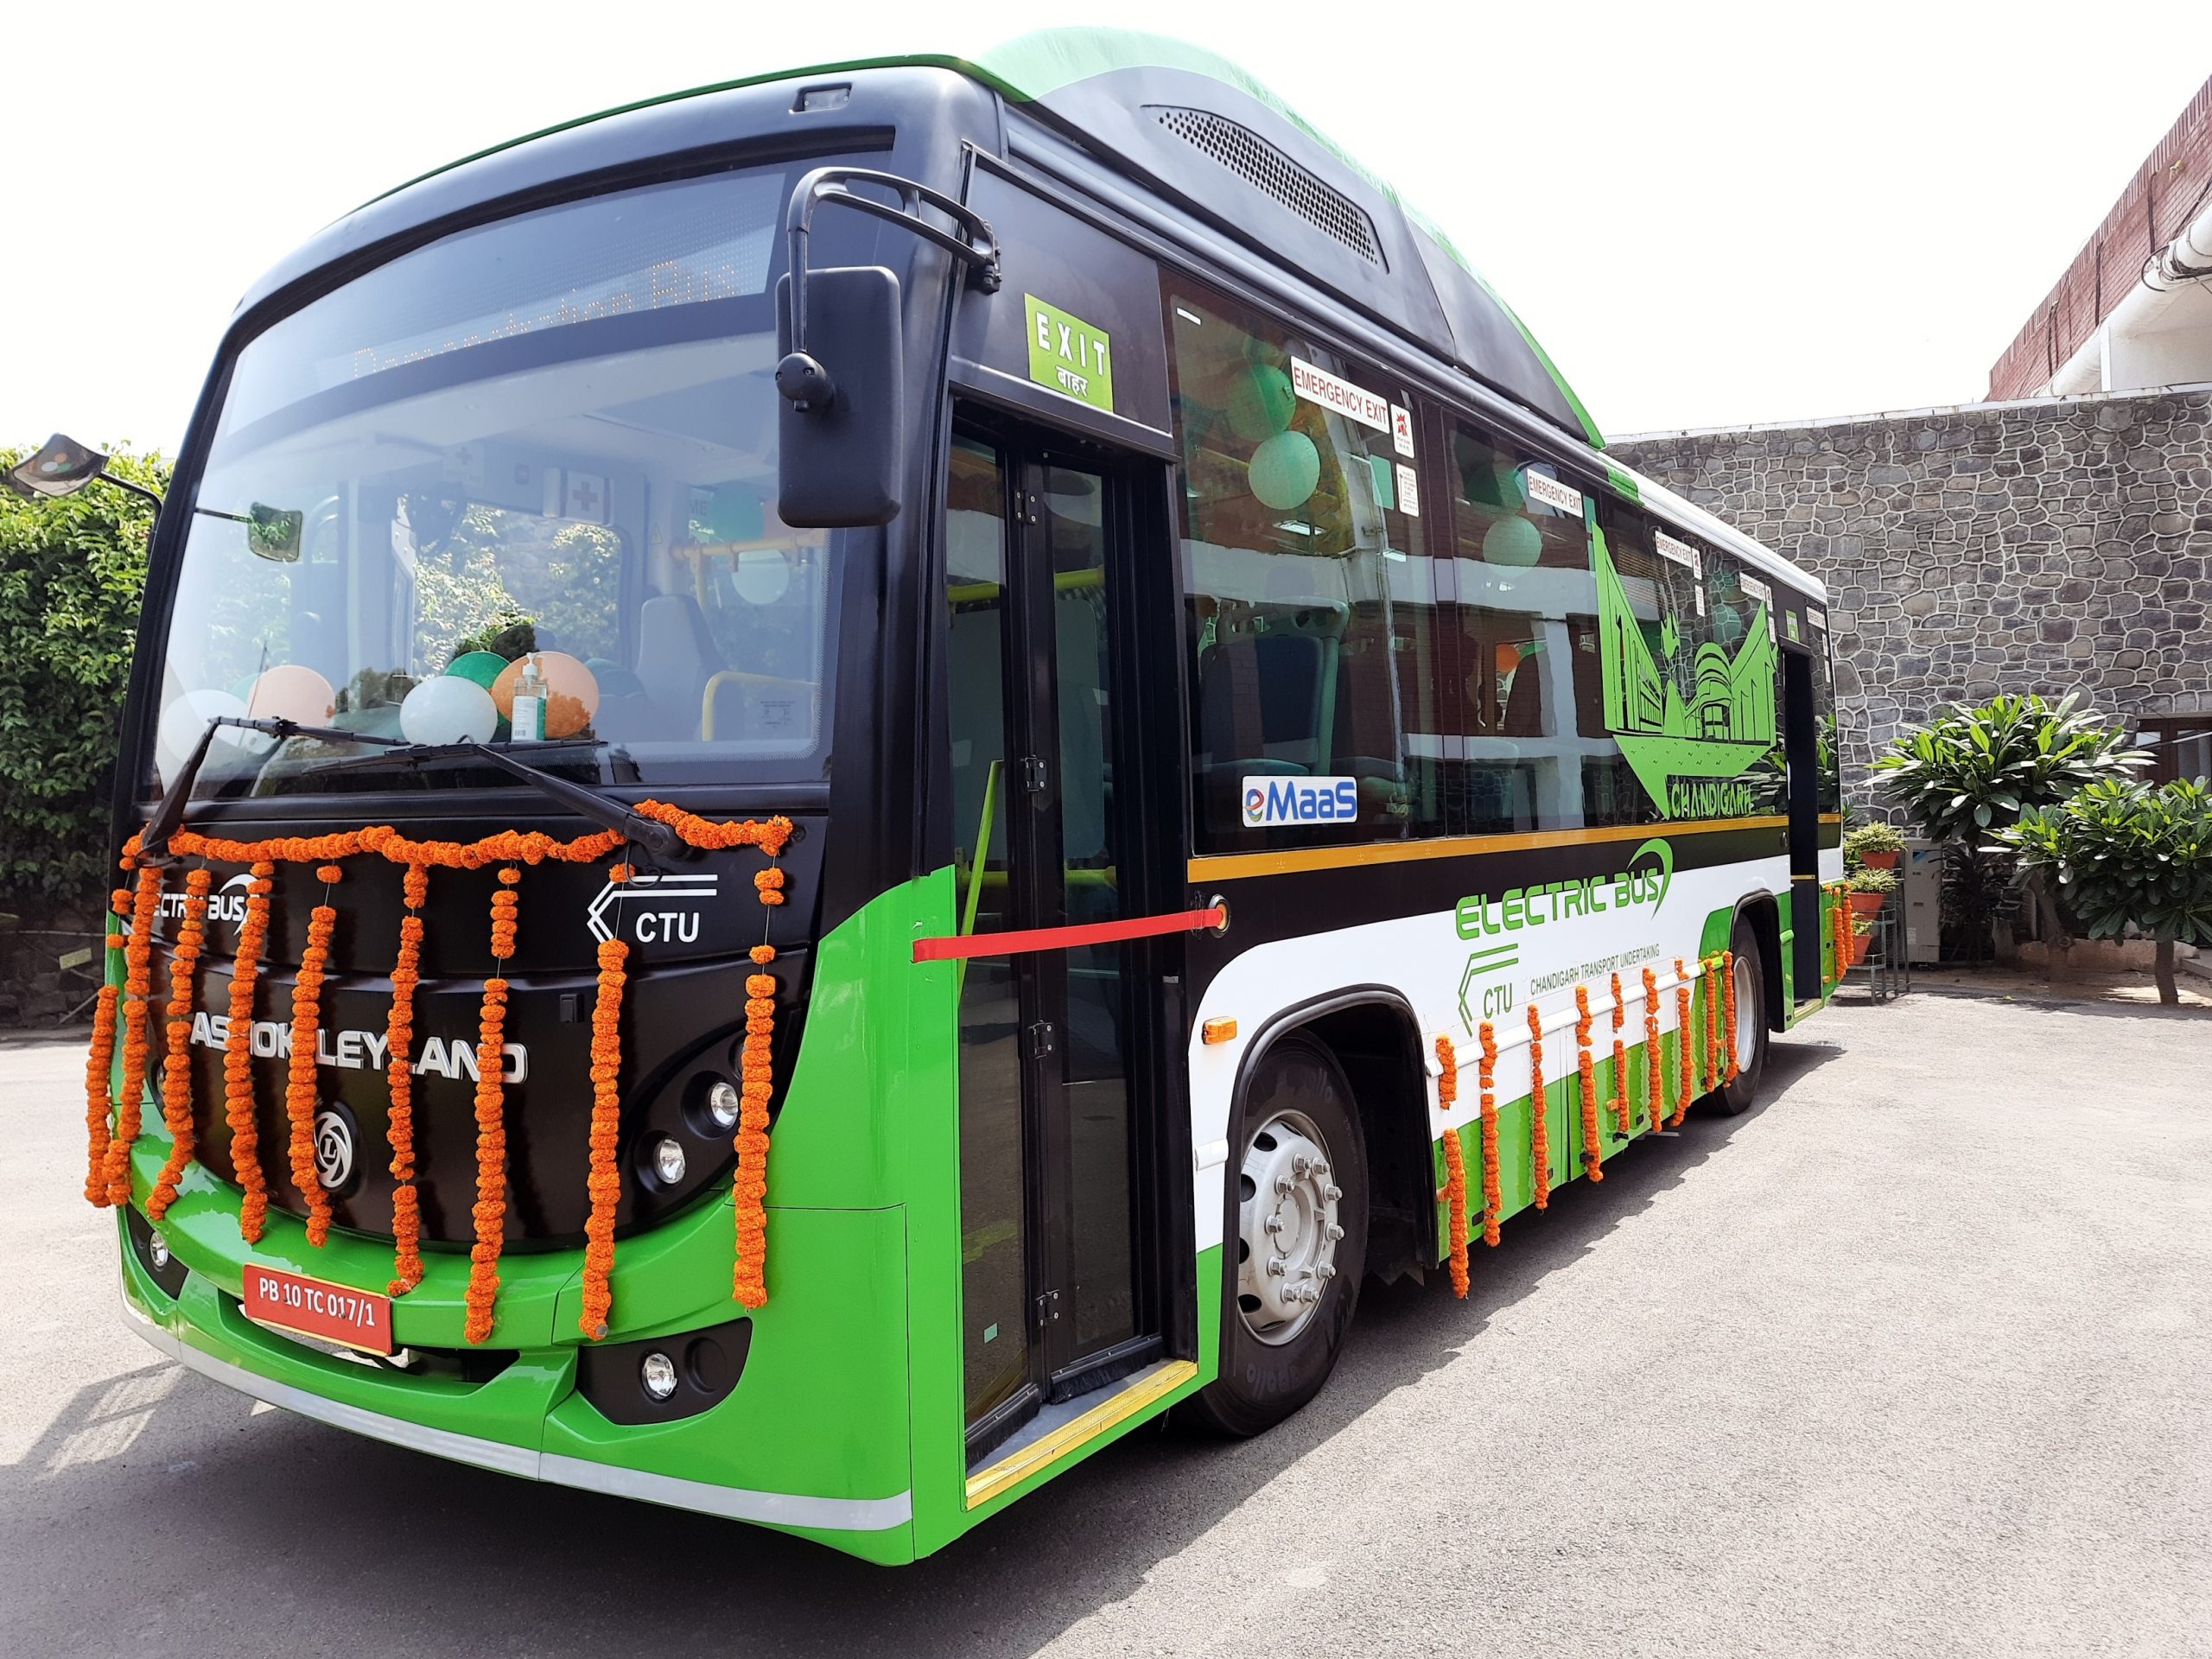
x,y
1069,355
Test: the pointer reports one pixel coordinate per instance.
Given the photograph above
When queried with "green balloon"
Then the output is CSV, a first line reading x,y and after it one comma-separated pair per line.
x,y
481,666
1515,540
1261,403
1284,470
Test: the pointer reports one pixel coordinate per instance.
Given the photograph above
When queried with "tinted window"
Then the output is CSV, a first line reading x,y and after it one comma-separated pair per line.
x,y
1302,540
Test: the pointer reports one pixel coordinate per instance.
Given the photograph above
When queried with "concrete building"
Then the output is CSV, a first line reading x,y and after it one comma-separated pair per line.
x,y
2055,537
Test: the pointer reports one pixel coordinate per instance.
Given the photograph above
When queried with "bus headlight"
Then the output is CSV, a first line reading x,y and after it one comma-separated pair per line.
x,y
723,1104
666,1160
657,1374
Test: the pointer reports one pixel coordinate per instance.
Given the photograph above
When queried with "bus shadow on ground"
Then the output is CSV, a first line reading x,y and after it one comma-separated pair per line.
x,y
270,1525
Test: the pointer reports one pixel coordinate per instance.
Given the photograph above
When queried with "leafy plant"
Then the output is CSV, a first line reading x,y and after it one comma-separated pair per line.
x,y
2128,855
1970,773
72,572
1875,835
1871,880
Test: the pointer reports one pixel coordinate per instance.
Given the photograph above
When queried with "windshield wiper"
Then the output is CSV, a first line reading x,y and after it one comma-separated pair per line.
x,y
654,836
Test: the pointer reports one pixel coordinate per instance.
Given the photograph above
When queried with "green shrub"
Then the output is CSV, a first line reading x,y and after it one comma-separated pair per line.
x,y
2128,855
72,572
1970,773
1866,880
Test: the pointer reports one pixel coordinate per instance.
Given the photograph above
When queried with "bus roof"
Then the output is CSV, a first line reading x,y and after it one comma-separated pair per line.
x,y
1091,82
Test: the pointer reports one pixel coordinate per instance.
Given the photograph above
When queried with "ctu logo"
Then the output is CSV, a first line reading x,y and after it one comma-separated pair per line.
x,y
653,909
1299,800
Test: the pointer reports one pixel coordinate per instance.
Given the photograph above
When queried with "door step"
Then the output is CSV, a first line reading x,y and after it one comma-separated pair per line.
x,y
1058,1430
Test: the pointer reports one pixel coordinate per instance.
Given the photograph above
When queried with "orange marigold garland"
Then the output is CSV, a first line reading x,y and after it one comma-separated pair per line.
x,y
138,987
1540,1145
1455,1166
399,1080
1623,1112
1654,1066
604,1184
1684,1063
176,1066
749,1283
100,1068
238,1057
1593,1137
299,1079
491,1207
1486,1077
1728,994
1711,1079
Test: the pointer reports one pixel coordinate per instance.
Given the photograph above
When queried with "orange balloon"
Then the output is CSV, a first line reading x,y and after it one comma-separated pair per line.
x,y
571,692
289,691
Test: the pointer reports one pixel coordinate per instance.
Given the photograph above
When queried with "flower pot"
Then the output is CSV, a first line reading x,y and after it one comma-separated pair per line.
x,y
1867,904
1880,861
1854,947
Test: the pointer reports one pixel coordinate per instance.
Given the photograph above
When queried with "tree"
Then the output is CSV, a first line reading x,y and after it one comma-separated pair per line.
x,y
72,574
1969,774
2128,855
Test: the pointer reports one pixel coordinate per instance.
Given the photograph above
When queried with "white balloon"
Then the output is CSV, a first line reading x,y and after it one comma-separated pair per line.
x,y
448,710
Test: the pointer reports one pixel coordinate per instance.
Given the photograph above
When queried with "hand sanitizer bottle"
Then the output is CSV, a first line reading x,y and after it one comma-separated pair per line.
x,y
529,720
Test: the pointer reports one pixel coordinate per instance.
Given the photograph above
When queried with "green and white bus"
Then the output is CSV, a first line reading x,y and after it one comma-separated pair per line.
x,y
838,783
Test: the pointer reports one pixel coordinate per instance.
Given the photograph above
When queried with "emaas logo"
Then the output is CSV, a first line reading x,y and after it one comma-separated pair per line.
x,y
1299,800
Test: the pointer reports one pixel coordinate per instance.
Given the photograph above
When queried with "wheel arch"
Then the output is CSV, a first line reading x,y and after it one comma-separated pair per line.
x,y
1373,1033
1762,910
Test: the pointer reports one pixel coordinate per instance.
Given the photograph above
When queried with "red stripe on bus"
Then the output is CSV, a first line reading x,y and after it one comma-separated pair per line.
x,y
1063,938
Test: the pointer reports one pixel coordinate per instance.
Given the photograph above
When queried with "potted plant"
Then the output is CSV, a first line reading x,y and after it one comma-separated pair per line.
x,y
1873,846
1869,889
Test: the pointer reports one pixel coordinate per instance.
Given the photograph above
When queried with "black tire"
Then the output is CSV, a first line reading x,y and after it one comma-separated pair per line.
x,y
1269,1368
1732,1099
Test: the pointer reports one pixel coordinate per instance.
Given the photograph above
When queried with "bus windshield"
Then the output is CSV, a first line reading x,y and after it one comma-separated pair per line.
x,y
540,453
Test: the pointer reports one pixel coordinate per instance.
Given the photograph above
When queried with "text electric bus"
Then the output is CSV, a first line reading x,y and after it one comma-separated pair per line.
x,y
840,783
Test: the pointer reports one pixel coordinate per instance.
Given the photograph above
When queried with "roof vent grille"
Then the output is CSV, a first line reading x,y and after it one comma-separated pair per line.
x,y
1266,169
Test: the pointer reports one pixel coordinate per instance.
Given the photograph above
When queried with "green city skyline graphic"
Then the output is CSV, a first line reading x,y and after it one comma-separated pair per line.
x,y
1680,749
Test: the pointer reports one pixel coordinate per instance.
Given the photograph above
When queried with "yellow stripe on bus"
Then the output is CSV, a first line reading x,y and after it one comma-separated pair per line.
x,y
1230,866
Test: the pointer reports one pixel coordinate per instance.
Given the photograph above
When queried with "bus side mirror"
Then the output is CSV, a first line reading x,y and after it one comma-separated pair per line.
x,y
842,428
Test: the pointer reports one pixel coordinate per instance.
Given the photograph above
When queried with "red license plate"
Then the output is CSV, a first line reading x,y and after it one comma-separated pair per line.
x,y
358,1318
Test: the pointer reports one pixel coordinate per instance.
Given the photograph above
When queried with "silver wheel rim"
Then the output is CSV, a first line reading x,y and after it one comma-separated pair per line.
x,y
1286,1228
1747,1032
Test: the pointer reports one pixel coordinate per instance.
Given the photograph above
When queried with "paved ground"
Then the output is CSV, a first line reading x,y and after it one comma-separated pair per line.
x,y
1912,1360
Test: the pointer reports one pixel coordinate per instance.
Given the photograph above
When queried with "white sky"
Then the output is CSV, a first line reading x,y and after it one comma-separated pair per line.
x,y
1708,214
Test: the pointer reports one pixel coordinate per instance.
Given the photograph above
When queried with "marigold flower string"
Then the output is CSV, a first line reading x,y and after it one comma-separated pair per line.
x,y
490,1212
1486,1077
1594,1136
399,1080
1728,991
749,1280
237,1056
1684,1064
1623,1112
138,987
1540,1145
300,1097
1655,1067
99,1077
176,1068
604,1184
1711,1079
1455,1166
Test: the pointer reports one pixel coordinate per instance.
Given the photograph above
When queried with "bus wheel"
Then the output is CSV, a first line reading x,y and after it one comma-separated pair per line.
x,y
1732,1098
1296,1241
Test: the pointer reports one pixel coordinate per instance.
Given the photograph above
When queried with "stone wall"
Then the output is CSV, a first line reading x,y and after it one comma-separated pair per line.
x,y
2053,546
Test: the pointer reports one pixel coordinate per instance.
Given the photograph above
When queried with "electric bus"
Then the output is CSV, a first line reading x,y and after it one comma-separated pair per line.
x,y
838,783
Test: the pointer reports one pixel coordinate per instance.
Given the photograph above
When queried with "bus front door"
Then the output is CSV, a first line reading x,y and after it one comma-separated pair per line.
x,y
1056,1300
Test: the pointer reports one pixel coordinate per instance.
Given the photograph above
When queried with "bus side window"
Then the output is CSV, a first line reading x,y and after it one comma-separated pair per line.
x,y
1296,534
1521,592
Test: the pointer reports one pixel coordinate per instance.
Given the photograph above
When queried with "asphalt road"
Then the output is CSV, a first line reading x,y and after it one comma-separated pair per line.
x,y
1912,1359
